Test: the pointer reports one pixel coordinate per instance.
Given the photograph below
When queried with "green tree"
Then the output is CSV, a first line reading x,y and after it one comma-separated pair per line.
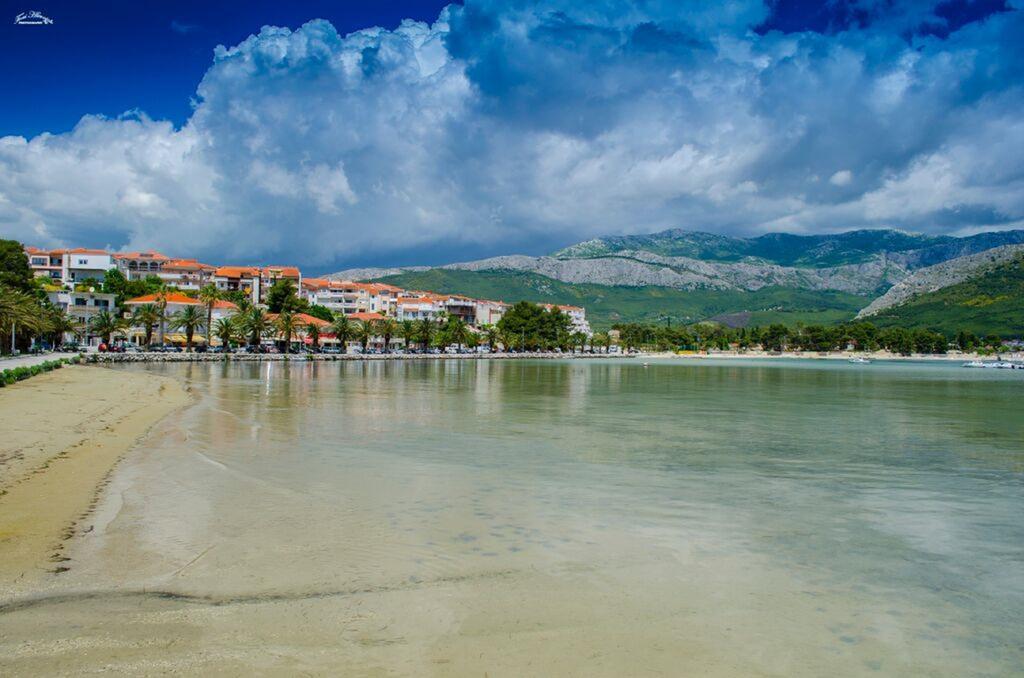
x,y
60,324
425,328
455,331
20,314
226,330
386,329
256,324
525,322
319,311
363,333
209,295
106,324
15,272
407,330
313,332
282,296
491,336
287,323
342,328
147,316
188,319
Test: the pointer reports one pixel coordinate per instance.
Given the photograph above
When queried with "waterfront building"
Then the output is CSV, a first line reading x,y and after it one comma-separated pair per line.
x,y
176,301
139,265
577,317
245,279
82,306
489,312
418,308
67,266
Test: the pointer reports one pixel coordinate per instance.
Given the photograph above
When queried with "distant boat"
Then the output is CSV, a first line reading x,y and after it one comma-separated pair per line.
x,y
975,363
860,361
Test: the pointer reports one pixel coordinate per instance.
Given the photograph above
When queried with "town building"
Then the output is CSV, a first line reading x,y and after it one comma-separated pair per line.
x,y
175,302
139,265
577,317
245,279
82,306
68,266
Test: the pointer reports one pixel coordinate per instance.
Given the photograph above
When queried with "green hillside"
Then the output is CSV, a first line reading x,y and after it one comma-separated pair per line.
x,y
992,303
607,305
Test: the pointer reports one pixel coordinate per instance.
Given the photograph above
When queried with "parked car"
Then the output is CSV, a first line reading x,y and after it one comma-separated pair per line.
x,y
331,350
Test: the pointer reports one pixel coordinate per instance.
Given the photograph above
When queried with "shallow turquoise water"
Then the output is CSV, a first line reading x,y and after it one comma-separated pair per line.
x,y
752,516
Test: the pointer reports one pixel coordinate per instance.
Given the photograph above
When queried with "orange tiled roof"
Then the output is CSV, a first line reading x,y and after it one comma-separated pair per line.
x,y
364,316
148,254
187,265
305,318
283,271
171,297
236,271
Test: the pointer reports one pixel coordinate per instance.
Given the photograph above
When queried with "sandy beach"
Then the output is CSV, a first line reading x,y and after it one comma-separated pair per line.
x,y
64,432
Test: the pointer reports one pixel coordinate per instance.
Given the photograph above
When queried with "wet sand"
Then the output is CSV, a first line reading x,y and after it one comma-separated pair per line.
x,y
63,433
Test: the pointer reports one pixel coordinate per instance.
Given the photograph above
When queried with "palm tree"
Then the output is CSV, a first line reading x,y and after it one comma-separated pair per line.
x,y
146,317
106,324
387,328
287,322
343,330
209,295
456,331
313,332
61,323
161,305
364,333
425,330
256,325
226,329
407,330
18,309
188,319
491,334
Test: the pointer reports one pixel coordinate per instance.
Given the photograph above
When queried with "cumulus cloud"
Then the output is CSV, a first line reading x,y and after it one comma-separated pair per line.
x,y
534,124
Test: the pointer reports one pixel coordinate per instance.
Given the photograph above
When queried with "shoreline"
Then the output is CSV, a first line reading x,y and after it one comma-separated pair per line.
x,y
100,358
836,355
65,432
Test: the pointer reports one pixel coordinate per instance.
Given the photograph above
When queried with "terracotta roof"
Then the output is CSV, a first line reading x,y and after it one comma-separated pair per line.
x,y
148,254
223,303
171,297
236,271
283,271
303,318
405,301
364,316
187,265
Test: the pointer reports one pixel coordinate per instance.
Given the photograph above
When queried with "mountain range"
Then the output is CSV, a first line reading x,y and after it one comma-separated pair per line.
x,y
691,275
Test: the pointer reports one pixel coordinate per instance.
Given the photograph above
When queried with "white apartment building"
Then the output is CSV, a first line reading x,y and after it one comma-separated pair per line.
x,y
577,317
418,308
68,266
139,265
82,307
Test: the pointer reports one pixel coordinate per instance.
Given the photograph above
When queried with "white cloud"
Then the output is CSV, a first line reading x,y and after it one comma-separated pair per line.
x,y
502,125
841,178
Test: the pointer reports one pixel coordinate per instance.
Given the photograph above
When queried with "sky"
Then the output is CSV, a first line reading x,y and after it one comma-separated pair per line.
x,y
339,134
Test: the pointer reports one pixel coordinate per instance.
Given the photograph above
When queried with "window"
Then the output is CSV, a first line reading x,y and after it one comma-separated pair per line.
x,y
103,303
79,301
38,261
83,262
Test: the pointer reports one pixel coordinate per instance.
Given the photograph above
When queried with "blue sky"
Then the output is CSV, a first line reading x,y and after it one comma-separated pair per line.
x,y
297,133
